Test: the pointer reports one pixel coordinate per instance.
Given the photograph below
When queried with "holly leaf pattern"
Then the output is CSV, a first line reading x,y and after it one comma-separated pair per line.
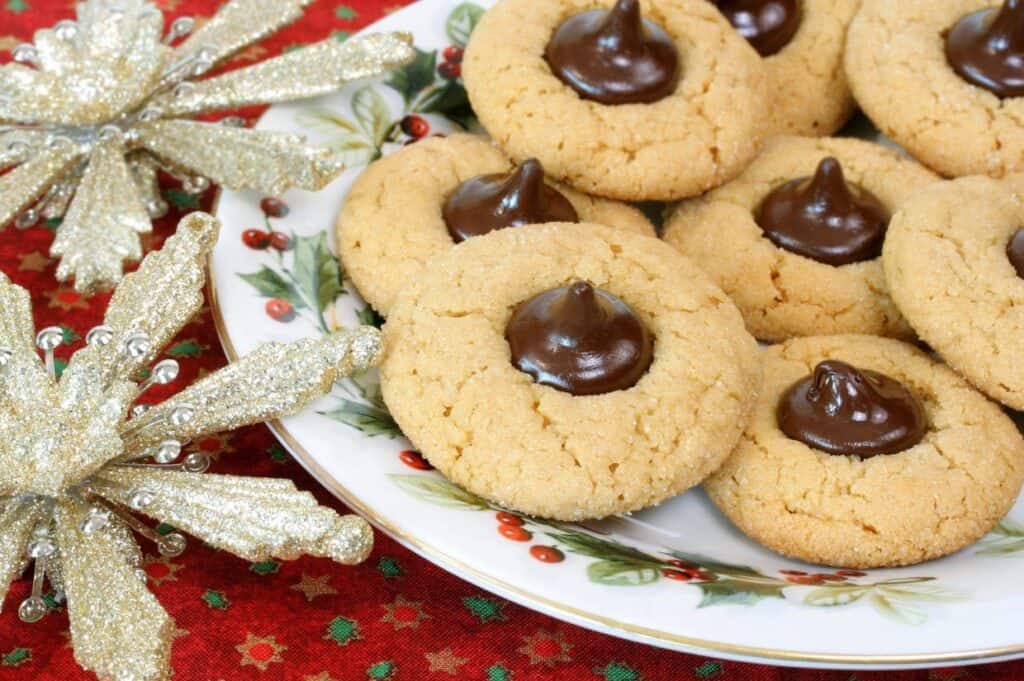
x,y
1006,539
620,573
461,22
439,492
368,316
270,284
595,547
372,113
370,420
317,271
412,78
738,591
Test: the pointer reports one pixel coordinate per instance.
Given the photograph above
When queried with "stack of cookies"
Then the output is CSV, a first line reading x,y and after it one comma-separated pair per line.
x,y
549,352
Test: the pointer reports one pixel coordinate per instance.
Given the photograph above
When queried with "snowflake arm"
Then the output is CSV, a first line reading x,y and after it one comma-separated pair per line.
x,y
237,24
318,69
118,628
239,158
219,510
102,228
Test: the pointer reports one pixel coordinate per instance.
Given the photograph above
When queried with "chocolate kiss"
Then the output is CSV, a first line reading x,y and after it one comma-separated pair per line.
x,y
986,48
825,218
768,25
614,56
489,202
843,410
1015,252
579,340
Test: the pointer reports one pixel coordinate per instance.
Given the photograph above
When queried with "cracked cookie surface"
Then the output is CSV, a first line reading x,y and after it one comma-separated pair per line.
x,y
935,498
946,265
809,88
896,64
450,384
695,139
391,223
782,294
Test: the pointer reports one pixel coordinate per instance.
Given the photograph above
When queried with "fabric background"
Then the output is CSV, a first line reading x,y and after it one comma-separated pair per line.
x,y
394,617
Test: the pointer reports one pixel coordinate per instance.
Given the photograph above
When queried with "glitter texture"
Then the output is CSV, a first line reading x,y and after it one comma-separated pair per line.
x,y
75,467
95,104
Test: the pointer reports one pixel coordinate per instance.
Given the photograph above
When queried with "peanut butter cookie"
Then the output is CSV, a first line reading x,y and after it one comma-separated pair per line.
x,y
953,262
795,239
932,471
650,100
396,215
569,371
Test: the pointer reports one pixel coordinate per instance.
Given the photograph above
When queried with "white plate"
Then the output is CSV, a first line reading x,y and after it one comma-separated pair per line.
x,y
616,576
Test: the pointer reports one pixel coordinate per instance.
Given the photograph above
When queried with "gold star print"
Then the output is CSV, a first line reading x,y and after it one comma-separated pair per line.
x,y
402,613
252,53
546,648
66,298
9,42
212,445
445,661
33,262
322,676
160,569
260,651
311,587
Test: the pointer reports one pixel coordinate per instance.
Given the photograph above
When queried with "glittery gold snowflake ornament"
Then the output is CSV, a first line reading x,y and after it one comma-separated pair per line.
x,y
77,460
94,107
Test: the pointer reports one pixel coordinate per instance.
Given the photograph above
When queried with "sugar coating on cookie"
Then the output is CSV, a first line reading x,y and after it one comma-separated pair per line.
x,y
451,386
899,73
782,294
927,501
698,137
947,267
809,89
392,223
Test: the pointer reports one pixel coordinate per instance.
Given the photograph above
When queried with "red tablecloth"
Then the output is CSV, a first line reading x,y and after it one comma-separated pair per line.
x,y
395,617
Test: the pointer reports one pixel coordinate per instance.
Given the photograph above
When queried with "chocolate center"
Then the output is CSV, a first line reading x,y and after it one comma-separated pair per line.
x,y
580,340
1015,252
825,218
843,410
986,48
615,56
768,25
489,202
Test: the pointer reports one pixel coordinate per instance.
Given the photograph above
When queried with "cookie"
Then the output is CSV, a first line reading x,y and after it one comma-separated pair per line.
x,y
392,221
696,137
801,43
450,383
897,64
947,266
782,293
929,500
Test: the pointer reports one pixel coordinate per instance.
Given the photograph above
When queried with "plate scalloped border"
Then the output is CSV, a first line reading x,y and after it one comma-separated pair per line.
x,y
576,616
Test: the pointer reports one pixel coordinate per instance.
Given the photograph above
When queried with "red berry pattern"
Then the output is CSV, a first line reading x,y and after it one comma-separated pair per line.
x,y
415,126
506,518
273,207
515,533
256,239
449,70
280,241
280,310
813,579
453,54
547,554
415,460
